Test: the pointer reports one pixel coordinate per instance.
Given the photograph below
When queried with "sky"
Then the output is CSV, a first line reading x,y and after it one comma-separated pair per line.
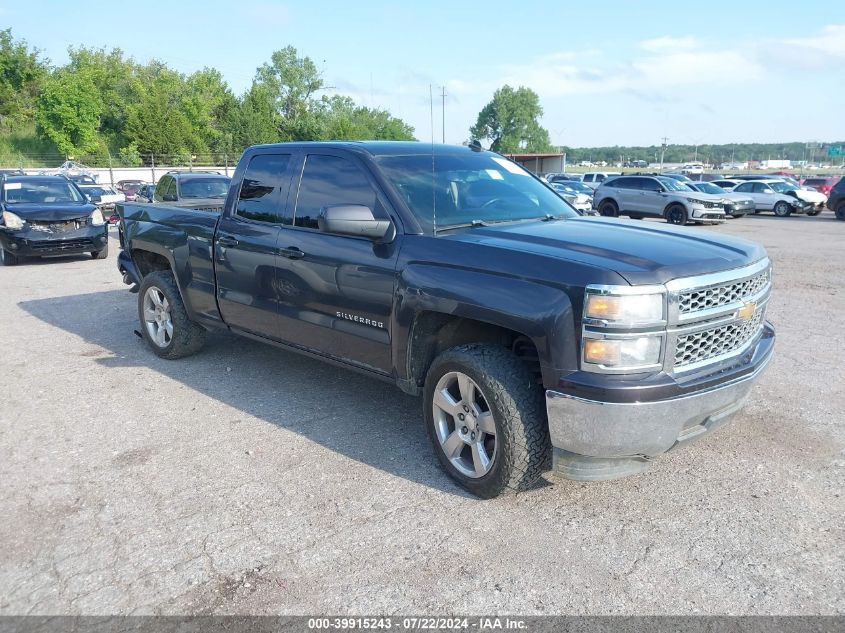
x,y
607,73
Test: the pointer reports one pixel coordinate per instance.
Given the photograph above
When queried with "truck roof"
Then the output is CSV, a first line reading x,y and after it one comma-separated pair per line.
x,y
378,148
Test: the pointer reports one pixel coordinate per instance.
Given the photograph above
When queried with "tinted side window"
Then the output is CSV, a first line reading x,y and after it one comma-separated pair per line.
x,y
761,188
162,185
621,183
649,184
263,186
330,180
588,178
744,187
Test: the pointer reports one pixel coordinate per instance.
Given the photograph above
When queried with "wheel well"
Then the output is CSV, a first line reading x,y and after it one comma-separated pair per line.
x,y
674,204
149,262
433,333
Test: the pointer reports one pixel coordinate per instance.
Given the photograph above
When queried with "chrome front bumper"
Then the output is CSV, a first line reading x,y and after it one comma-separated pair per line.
x,y
596,440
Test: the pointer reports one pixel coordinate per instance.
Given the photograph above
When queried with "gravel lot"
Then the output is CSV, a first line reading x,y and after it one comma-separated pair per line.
x,y
251,480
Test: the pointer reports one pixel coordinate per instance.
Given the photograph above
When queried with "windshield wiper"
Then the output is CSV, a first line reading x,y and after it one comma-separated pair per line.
x,y
465,225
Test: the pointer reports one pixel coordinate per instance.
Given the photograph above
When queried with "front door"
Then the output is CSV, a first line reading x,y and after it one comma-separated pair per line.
x,y
339,289
245,247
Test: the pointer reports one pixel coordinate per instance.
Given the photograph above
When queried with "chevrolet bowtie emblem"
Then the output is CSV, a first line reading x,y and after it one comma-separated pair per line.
x,y
747,311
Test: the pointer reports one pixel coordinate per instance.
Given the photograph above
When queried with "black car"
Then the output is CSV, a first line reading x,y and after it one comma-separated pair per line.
x,y
836,201
48,215
201,190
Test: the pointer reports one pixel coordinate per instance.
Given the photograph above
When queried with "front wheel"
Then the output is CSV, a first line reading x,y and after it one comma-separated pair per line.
x,y
814,212
9,259
677,214
165,324
103,254
782,209
840,211
485,418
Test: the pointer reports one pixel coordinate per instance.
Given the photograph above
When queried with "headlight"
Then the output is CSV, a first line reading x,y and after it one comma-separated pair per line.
x,y
12,221
612,353
97,218
619,307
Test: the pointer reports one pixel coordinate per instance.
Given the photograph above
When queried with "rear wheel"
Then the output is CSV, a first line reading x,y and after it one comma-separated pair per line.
x,y
840,211
815,211
782,209
677,214
485,418
609,209
9,259
165,324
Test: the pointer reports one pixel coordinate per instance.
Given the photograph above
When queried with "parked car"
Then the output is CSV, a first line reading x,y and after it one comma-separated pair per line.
x,y
129,188
145,193
595,178
678,177
192,189
822,184
48,215
11,172
788,179
775,195
104,197
533,335
726,183
836,201
658,197
82,179
564,178
581,200
736,204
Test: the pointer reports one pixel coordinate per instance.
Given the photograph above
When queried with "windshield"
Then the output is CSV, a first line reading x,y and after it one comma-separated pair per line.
x,y
708,187
41,192
458,189
98,191
579,186
673,185
782,187
205,188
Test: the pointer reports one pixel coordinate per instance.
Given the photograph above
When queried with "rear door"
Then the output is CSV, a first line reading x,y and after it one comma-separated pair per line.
x,y
337,294
245,247
747,188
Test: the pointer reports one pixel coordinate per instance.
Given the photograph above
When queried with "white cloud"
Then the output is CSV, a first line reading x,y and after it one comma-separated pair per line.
x,y
667,44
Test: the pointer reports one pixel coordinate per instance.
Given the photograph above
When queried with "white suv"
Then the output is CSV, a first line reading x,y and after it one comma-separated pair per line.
x,y
595,178
658,197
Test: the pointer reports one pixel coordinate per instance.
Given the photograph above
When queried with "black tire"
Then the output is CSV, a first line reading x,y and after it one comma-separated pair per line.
x,y
635,216
522,445
677,214
840,211
737,215
103,254
188,337
814,212
609,209
9,259
782,209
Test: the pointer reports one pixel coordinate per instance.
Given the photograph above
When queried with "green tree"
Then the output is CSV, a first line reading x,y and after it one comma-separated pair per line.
x,y
156,120
510,121
22,75
68,112
344,120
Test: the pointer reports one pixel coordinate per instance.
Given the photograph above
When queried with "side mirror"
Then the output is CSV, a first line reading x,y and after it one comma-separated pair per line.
x,y
352,219
168,197
660,190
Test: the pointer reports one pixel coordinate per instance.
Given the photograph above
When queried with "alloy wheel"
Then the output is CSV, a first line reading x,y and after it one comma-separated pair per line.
x,y
157,318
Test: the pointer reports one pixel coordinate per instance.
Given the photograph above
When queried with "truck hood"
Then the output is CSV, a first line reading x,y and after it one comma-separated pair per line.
x,y
50,212
641,253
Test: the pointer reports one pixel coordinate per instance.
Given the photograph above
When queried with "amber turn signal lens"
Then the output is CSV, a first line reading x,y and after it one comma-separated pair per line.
x,y
601,352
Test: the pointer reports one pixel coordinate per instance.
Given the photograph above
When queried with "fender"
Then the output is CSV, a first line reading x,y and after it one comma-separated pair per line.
x,y
541,312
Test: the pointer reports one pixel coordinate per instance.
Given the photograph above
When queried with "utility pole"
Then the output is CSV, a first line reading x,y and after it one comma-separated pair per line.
x,y
443,106
665,140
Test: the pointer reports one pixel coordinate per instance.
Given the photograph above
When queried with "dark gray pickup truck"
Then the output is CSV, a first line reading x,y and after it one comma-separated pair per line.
x,y
537,338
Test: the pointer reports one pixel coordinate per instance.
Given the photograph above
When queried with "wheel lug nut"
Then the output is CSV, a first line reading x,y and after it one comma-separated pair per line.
x,y
466,409
461,417
472,436
464,430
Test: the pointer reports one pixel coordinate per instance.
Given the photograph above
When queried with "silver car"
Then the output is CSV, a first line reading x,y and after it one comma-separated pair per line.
x,y
737,204
657,197
774,195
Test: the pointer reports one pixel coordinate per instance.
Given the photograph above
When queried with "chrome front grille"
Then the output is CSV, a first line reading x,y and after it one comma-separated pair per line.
x,y
715,296
717,341
715,318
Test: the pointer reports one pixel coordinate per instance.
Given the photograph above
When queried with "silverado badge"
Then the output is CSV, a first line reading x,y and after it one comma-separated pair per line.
x,y
747,310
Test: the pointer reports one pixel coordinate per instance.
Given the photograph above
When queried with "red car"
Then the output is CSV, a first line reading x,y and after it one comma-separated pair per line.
x,y
822,184
129,188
